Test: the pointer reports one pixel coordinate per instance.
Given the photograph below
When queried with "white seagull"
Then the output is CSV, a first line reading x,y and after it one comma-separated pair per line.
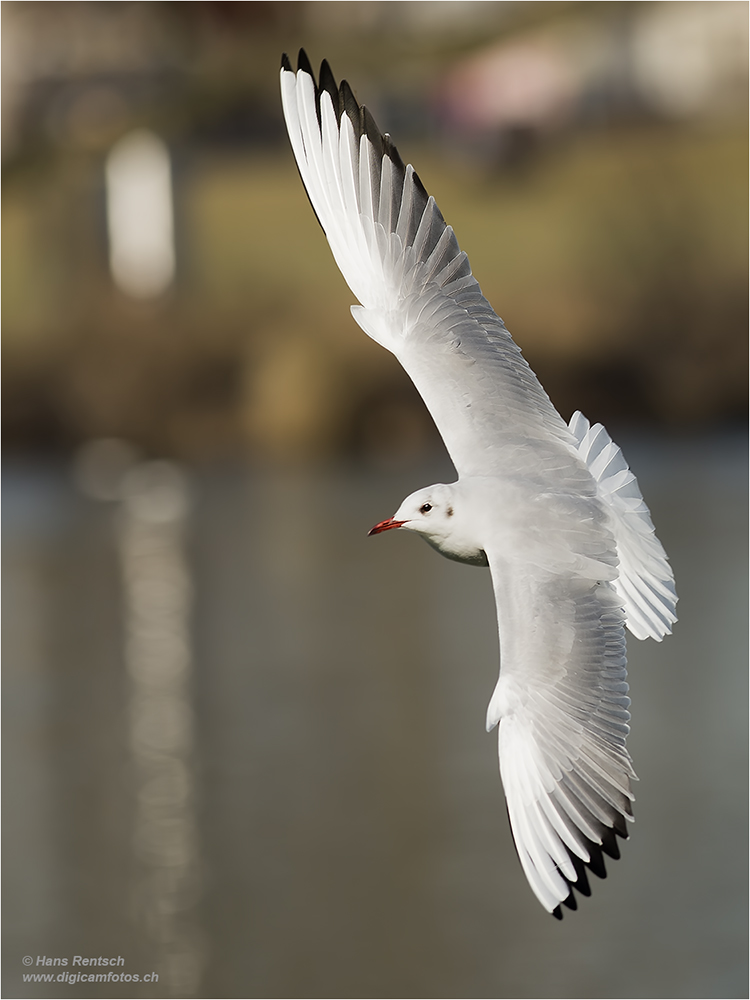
x,y
550,507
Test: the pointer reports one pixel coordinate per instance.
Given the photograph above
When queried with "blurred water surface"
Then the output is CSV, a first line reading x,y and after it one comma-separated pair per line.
x,y
326,815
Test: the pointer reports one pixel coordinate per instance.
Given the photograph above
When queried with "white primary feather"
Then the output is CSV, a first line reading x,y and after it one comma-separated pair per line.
x,y
553,508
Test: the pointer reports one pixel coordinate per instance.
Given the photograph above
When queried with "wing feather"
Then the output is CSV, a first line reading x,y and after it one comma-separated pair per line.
x,y
398,256
562,710
645,581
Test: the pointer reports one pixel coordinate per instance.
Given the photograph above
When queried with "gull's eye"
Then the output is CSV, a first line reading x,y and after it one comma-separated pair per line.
x,y
425,508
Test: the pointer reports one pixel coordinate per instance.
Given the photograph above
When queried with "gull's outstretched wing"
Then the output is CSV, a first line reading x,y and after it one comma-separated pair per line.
x,y
418,296
561,701
645,581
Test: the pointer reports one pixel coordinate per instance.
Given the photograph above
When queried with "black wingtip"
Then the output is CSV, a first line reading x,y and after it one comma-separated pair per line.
x,y
328,83
596,861
570,901
362,122
620,827
418,181
582,882
609,841
392,153
595,864
304,64
371,130
345,103
608,846
348,106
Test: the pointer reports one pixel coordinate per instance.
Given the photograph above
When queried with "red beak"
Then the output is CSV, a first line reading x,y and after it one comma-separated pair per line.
x,y
384,526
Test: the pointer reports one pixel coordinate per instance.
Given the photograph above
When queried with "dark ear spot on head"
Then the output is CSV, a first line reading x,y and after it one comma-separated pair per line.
x,y
449,511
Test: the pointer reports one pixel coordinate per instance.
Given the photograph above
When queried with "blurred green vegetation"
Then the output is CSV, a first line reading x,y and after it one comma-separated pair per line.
x,y
617,256
619,263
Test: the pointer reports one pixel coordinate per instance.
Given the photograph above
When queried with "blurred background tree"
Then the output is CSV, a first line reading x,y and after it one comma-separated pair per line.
x,y
591,157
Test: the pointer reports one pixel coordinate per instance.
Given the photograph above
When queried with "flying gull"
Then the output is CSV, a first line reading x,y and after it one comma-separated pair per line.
x,y
552,508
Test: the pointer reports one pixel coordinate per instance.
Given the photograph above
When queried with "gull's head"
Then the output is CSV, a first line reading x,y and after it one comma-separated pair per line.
x,y
436,513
